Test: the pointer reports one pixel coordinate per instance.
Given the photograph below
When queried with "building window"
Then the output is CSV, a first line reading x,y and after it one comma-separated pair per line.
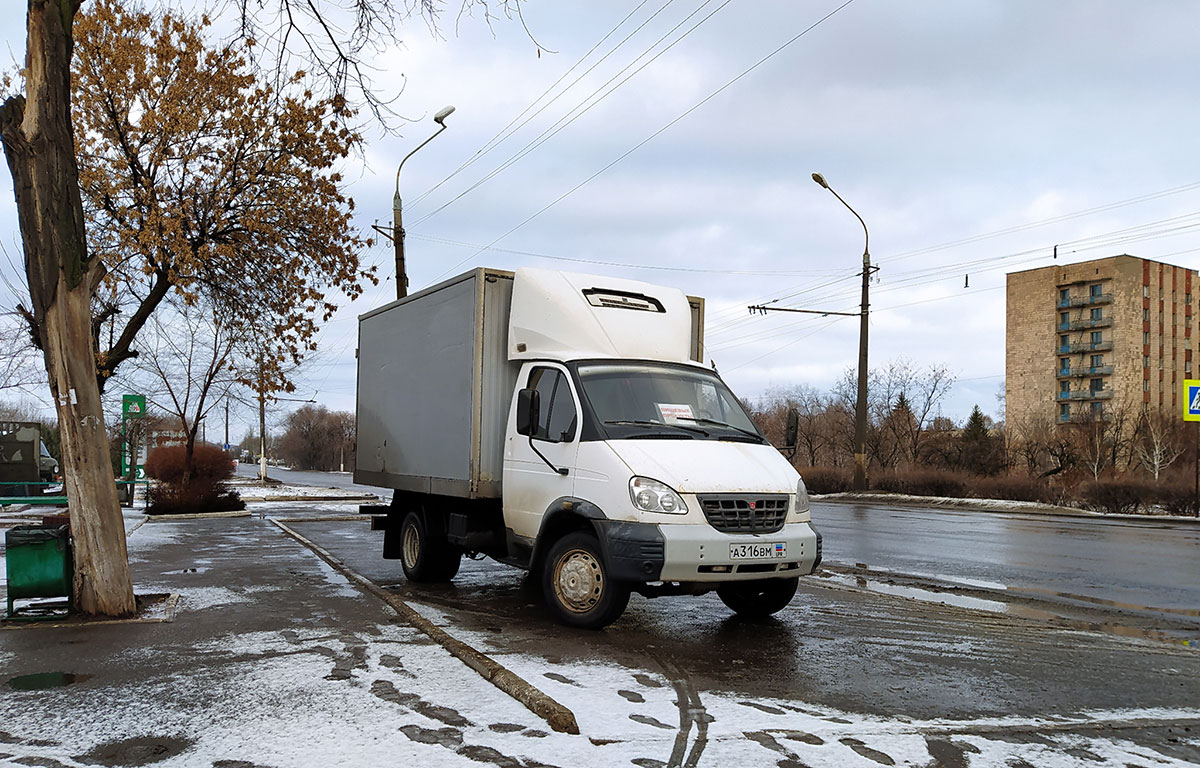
x,y
1064,366
1064,294
1145,315
1064,411
1145,291
1187,298
1096,385
1097,361
1097,337
1095,290
1145,337
1064,342
1097,314
1145,361
1064,318
1145,385
1187,366
1098,409
1064,387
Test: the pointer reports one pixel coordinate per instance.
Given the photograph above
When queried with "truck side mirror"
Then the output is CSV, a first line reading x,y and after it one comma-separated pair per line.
x,y
529,411
793,429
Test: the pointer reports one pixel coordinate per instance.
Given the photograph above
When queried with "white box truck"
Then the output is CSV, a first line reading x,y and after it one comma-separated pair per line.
x,y
563,423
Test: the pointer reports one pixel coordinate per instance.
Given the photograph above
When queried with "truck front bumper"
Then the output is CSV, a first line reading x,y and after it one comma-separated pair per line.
x,y
700,553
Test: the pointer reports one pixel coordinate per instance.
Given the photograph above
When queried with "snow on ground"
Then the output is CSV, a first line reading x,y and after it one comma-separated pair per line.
x,y
250,488
641,706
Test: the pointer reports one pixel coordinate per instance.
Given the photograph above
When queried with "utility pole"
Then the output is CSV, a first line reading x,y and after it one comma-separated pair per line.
x,y
859,483
226,420
397,216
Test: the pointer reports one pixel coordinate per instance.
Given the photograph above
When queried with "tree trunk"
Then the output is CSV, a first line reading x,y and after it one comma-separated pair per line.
x,y
40,148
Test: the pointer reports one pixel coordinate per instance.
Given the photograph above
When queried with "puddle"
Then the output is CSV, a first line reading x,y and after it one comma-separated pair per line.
x,y
930,596
43,680
186,570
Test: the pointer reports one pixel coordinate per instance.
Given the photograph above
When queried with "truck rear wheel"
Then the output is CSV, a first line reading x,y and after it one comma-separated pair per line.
x,y
577,586
759,598
425,557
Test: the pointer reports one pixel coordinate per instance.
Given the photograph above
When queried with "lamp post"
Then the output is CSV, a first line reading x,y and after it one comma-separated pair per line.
x,y
397,225
859,483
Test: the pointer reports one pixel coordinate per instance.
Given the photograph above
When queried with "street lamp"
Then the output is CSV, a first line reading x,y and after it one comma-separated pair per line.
x,y
859,482
397,226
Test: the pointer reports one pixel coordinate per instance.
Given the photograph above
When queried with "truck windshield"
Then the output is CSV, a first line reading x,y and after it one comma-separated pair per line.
x,y
634,400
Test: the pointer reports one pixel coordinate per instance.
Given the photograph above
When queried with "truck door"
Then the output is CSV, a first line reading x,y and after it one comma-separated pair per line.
x,y
530,484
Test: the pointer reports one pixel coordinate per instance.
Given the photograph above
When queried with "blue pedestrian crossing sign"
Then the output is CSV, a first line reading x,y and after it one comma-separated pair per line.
x,y
1191,399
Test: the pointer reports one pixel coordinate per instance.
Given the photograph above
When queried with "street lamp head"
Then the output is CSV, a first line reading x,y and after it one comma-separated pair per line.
x,y
820,180
442,114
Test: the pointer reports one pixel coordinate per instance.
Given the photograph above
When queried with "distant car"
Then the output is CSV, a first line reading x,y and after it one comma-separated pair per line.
x,y
47,466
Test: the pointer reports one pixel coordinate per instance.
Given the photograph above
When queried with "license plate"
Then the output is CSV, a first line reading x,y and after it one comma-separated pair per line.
x,y
758,551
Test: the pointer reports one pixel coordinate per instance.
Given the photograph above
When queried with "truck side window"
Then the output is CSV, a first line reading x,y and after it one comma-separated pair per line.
x,y
558,418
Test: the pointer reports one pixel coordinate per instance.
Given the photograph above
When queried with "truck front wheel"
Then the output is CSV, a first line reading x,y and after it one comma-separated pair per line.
x,y
576,584
758,599
425,557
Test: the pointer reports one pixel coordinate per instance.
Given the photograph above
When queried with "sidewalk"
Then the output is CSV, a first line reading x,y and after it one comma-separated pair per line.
x,y
272,659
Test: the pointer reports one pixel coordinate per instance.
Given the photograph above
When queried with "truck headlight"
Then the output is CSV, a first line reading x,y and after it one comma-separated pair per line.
x,y
652,496
801,496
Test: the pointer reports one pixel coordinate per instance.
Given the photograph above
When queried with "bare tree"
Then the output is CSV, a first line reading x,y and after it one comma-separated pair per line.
x,y
1157,441
63,277
1100,439
189,366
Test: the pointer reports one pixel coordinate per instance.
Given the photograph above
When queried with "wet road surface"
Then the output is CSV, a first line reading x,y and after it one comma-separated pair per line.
x,y
1149,564
882,663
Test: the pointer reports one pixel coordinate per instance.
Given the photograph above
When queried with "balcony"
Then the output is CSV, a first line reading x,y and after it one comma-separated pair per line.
x,y
1087,324
1090,346
1085,301
1091,370
1083,418
1086,394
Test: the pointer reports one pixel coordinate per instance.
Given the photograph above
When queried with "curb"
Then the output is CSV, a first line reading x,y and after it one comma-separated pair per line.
x,y
196,516
557,716
259,499
991,505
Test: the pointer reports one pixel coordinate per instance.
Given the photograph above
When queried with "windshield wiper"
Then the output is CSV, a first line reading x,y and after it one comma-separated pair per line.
x,y
648,423
716,423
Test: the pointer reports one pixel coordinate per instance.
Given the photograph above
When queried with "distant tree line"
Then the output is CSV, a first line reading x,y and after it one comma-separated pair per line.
x,y
1124,459
316,438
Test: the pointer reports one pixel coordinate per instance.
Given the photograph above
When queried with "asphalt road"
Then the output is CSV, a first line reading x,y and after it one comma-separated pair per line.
x,y
318,479
1138,564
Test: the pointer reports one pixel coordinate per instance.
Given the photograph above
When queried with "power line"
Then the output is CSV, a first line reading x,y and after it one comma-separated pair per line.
x,y
654,135
768,272
574,114
504,133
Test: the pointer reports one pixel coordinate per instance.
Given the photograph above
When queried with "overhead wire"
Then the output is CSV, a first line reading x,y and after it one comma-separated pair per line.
x,y
504,133
657,133
576,112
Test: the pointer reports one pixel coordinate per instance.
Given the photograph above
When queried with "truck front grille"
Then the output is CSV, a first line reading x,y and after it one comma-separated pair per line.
x,y
741,513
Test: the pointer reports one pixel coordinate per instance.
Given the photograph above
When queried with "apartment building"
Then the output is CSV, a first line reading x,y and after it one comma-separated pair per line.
x,y
1084,340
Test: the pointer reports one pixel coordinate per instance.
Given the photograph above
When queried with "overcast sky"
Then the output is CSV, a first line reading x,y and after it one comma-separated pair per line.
x,y
972,137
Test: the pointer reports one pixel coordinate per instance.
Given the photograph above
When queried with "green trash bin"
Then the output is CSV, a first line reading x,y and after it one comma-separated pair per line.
x,y
39,563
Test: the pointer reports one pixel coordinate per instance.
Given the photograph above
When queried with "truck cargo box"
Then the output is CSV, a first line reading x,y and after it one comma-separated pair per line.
x,y
436,374
427,365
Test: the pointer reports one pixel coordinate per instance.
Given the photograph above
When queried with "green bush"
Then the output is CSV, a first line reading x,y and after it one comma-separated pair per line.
x,y
826,479
203,490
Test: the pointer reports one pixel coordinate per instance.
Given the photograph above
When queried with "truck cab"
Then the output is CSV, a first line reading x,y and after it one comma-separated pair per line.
x,y
624,463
